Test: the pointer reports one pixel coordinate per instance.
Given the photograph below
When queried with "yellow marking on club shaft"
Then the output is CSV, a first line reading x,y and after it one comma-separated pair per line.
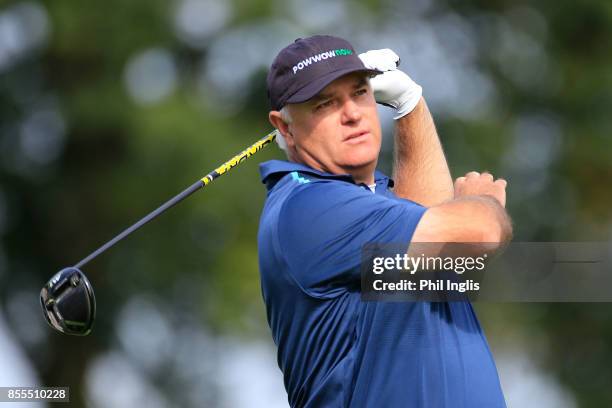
x,y
240,157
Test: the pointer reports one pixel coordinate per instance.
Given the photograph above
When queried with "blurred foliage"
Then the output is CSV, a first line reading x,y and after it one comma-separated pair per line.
x,y
120,157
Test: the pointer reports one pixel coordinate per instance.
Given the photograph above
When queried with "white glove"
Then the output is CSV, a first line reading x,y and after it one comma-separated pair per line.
x,y
393,87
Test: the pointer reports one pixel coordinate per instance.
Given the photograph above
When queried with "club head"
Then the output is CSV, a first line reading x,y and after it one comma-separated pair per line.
x,y
68,302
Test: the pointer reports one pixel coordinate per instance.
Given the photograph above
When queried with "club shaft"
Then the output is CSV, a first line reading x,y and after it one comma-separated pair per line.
x,y
168,204
203,182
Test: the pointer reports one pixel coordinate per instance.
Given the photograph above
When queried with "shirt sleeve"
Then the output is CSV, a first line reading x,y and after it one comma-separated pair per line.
x,y
323,227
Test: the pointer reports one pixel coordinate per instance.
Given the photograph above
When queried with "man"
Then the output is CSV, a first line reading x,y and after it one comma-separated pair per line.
x,y
328,200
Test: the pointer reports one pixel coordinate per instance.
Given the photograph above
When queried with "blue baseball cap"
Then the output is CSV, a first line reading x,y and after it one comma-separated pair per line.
x,y
302,69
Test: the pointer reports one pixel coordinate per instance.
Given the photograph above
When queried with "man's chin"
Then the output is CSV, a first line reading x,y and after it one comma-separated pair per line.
x,y
361,164
362,158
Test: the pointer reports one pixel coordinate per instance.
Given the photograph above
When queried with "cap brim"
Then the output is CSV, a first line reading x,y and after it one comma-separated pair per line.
x,y
314,87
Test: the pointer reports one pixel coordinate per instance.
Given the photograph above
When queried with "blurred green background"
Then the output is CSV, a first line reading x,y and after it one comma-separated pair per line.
x,y
109,108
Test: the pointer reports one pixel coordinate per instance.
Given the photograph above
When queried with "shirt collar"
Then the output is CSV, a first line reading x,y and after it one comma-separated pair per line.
x,y
282,167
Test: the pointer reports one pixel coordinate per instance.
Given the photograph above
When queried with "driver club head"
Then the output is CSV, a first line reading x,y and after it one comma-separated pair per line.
x,y
68,302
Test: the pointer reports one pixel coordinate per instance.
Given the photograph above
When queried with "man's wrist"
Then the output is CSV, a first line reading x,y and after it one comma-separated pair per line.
x,y
409,101
413,114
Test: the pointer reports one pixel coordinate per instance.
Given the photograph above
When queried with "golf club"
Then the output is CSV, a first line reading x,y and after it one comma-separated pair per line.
x,y
68,300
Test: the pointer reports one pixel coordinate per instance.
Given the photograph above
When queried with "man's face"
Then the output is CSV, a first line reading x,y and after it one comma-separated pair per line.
x,y
338,130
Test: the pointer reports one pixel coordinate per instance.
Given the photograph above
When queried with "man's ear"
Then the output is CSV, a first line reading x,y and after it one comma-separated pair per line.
x,y
277,121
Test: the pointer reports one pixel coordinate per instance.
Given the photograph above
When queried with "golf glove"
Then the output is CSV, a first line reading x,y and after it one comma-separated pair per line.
x,y
393,87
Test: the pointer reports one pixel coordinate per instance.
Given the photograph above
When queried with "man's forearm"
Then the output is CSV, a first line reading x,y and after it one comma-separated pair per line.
x,y
420,169
470,218
499,230
477,224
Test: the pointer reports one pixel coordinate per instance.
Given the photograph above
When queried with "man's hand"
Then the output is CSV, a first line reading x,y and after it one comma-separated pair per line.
x,y
474,183
393,87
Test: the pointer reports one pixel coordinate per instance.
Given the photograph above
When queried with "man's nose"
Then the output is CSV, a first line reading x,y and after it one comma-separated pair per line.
x,y
351,112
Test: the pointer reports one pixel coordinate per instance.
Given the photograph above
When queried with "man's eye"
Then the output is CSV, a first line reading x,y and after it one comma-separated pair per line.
x,y
324,104
362,91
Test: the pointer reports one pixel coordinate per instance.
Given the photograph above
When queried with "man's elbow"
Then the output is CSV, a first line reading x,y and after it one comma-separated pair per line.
x,y
496,231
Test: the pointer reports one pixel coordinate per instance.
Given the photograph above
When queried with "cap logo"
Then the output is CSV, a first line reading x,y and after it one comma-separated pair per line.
x,y
319,57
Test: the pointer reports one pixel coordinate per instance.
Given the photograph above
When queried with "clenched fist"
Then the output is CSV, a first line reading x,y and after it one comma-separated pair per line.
x,y
475,183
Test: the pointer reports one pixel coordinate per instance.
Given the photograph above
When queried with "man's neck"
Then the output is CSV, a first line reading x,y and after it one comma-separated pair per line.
x,y
367,178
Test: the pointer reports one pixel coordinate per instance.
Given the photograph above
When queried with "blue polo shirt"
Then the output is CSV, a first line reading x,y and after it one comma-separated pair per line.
x,y
335,350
